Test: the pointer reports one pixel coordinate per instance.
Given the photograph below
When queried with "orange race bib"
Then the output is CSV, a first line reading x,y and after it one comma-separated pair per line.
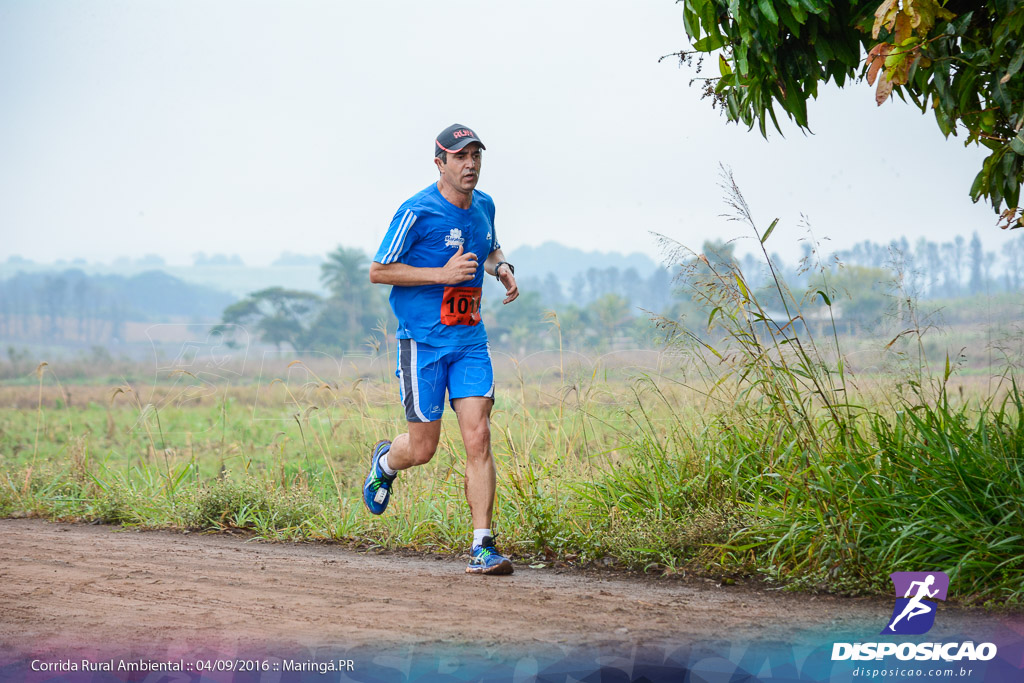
x,y
461,305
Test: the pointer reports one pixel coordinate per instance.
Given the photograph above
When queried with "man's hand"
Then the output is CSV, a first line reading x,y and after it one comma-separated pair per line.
x,y
460,267
506,278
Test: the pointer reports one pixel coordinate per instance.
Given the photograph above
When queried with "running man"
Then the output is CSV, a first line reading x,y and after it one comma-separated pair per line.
x,y
431,257
915,607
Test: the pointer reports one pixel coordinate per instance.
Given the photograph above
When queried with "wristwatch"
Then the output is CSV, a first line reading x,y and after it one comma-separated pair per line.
x,y
511,268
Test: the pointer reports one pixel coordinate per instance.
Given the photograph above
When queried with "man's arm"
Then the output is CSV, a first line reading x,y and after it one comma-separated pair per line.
x,y
460,267
505,277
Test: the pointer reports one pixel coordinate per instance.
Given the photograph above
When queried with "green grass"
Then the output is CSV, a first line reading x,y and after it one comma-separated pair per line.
x,y
650,474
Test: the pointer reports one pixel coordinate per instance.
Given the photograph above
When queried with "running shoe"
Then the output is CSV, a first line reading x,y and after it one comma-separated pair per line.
x,y
377,488
485,559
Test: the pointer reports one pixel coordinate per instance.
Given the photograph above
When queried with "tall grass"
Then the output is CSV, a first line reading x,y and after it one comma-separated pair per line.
x,y
651,475
820,485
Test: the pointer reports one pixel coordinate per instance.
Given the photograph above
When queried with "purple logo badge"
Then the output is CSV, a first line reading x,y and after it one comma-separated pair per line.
x,y
914,612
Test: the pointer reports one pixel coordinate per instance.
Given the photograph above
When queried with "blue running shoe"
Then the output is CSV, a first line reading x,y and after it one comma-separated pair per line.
x,y
485,559
377,488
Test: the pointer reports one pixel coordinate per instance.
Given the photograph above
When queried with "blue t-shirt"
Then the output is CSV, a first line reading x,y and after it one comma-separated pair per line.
x,y
426,232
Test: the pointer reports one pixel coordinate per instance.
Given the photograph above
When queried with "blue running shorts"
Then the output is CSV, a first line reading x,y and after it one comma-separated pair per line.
x,y
426,372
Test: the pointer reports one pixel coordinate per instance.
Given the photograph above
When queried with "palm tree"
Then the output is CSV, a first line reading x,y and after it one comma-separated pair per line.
x,y
354,304
346,273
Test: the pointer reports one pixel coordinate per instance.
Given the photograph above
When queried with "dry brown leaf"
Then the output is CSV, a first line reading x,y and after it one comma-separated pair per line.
x,y
882,16
876,59
903,28
883,90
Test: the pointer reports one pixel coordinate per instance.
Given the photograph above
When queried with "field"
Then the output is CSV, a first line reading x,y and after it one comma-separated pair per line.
x,y
786,467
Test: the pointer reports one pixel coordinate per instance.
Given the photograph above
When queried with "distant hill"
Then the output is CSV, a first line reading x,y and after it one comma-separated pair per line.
x,y
302,271
565,262
155,293
151,295
287,258
237,280
74,308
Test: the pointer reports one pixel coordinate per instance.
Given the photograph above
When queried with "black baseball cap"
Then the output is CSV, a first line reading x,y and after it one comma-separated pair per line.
x,y
453,138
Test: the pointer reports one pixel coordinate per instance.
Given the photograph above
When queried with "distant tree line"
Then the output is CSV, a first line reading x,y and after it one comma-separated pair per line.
x,y
948,269
931,270
603,308
72,307
597,307
201,259
600,309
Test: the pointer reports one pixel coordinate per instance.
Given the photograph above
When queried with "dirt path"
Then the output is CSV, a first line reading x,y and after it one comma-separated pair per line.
x,y
64,585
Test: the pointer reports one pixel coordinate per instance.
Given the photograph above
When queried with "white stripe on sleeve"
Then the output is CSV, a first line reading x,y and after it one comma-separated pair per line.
x,y
399,240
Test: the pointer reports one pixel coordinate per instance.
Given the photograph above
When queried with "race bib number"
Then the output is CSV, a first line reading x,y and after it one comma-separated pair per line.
x,y
461,305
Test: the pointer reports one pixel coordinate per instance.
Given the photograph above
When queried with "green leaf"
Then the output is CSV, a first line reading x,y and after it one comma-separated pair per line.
x,y
741,59
768,10
723,66
743,288
794,103
691,23
1012,191
696,6
709,43
787,18
943,121
799,13
764,237
771,113
822,50
1015,64
958,28
709,17
1017,143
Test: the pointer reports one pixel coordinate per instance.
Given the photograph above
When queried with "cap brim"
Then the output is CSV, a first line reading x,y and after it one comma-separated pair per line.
x,y
457,146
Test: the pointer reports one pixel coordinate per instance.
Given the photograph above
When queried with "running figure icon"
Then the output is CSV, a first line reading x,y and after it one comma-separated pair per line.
x,y
916,607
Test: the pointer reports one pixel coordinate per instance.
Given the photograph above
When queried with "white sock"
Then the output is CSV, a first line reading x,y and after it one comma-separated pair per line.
x,y
478,536
383,464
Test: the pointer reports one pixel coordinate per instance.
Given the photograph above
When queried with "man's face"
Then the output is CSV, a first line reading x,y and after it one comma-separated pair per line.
x,y
462,170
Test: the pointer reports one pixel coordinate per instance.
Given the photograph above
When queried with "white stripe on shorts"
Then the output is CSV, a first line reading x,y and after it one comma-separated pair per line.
x,y
414,371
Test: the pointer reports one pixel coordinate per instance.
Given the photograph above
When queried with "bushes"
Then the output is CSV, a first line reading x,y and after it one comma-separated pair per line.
x,y
249,505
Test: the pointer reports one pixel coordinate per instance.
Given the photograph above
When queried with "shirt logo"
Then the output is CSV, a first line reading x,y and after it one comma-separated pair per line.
x,y
454,238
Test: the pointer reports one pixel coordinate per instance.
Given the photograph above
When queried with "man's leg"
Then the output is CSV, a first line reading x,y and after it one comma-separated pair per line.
x,y
415,447
418,369
421,376
474,415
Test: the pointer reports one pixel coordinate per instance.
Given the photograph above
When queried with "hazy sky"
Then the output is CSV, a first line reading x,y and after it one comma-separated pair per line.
x,y
248,127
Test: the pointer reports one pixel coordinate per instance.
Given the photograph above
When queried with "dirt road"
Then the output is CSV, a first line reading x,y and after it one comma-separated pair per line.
x,y
89,587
